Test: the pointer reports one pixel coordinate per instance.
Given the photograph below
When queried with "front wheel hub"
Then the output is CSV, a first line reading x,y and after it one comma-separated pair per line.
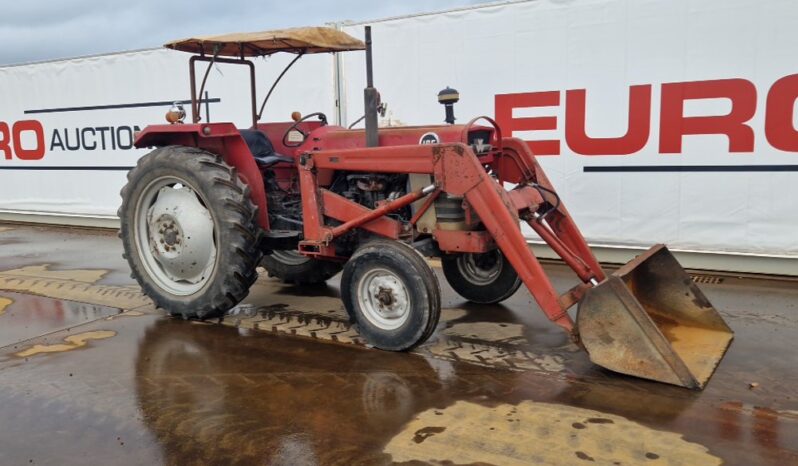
x,y
385,299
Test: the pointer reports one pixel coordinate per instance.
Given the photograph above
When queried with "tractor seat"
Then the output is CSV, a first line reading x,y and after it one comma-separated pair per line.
x,y
262,149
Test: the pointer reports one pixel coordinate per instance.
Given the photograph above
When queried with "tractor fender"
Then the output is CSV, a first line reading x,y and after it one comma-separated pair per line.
x,y
219,138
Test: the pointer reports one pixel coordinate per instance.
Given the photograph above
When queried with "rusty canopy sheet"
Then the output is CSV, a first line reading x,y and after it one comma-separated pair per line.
x,y
249,44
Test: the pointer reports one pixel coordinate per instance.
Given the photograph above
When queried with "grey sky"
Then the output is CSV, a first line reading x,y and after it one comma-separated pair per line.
x,y
36,30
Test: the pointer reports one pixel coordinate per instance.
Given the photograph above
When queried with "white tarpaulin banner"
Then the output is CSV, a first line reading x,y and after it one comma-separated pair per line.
x,y
657,120
66,127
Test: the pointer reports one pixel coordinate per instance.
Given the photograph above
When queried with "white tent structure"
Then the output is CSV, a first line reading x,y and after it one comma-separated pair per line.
x,y
660,121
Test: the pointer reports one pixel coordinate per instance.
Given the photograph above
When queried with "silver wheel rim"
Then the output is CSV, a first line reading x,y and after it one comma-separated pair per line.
x,y
174,235
384,299
480,269
289,257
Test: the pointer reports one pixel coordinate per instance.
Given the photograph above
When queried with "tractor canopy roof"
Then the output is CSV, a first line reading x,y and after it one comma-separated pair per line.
x,y
251,44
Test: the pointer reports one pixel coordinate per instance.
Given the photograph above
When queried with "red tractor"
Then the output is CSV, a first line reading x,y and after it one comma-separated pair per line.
x,y
202,210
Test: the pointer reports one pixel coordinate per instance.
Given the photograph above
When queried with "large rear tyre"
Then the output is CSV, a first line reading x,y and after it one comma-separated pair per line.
x,y
294,268
485,278
190,231
391,294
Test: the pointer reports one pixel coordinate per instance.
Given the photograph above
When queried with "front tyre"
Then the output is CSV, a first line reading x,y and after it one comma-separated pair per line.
x,y
391,294
190,231
484,278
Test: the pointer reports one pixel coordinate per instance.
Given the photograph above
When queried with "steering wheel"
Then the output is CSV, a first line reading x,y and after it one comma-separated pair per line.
x,y
295,127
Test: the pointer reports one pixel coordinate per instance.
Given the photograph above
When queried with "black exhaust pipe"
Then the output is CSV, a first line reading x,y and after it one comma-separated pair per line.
x,y
371,97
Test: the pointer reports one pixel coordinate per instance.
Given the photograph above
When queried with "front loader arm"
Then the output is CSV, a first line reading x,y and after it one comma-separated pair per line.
x,y
459,172
516,164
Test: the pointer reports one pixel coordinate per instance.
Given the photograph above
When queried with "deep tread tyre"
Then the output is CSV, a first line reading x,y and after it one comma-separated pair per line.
x,y
229,213
292,268
480,278
403,306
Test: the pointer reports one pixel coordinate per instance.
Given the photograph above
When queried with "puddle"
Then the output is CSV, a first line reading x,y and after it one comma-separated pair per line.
x,y
197,391
292,317
489,350
76,341
538,433
25,316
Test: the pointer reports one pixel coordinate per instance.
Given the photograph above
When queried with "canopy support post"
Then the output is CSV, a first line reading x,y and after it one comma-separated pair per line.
x,y
271,89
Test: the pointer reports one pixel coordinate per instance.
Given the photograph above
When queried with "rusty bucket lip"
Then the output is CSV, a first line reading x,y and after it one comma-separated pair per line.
x,y
617,283
639,259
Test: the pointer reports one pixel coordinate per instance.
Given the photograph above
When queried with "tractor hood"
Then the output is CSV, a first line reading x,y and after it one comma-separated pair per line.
x,y
332,137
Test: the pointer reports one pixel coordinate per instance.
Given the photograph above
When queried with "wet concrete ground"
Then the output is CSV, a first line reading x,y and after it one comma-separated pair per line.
x,y
90,372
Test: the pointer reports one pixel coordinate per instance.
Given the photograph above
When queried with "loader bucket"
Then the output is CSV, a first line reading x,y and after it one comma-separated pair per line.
x,y
649,320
